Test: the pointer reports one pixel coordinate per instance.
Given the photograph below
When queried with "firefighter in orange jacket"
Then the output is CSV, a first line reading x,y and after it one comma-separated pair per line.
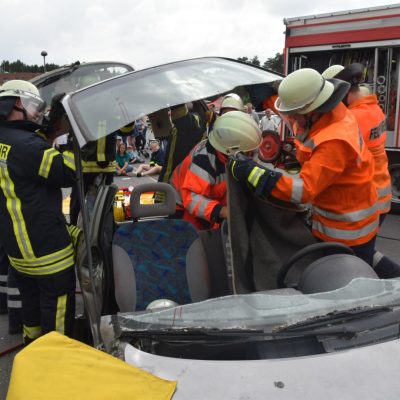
x,y
372,123
337,169
200,180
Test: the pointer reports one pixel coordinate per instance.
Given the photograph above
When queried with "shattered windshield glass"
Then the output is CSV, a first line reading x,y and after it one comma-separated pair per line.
x,y
117,102
264,310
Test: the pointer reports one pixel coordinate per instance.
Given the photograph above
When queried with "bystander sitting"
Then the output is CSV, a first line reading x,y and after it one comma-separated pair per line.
x,y
133,154
122,160
156,161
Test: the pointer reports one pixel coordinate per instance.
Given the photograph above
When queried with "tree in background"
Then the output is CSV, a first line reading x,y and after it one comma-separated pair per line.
x,y
19,66
273,63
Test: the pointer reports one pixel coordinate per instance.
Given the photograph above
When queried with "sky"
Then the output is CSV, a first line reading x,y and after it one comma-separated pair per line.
x,y
145,33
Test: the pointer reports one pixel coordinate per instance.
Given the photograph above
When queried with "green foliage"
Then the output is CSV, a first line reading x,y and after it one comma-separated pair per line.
x,y
273,63
19,66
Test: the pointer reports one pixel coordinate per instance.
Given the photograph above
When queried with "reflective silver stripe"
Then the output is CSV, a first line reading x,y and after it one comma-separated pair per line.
x,y
221,178
13,291
200,172
353,216
15,210
200,202
211,157
255,175
177,173
60,313
376,258
14,304
297,190
345,234
3,278
49,259
101,149
310,144
3,289
69,160
385,191
49,269
384,205
47,160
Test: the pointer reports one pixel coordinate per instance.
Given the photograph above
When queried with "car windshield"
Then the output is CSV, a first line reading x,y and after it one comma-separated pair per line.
x,y
72,78
120,101
267,311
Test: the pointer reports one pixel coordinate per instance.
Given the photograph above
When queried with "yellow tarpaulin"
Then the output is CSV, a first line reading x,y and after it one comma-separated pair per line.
x,y
55,367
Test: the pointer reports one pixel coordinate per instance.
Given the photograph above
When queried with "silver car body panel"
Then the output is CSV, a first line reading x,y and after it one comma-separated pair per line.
x,y
364,373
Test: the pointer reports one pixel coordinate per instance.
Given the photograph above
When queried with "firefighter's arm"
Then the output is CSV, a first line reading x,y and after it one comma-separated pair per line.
x,y
327,162
49,166
196,191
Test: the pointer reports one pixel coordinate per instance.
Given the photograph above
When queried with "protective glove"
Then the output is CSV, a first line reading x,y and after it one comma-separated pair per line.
x,y
241,167
262,179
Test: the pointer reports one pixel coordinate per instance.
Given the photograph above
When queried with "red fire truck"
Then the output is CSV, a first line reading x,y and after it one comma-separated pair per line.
x,y
370,36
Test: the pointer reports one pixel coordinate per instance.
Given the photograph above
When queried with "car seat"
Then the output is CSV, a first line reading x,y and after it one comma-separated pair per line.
x,y
156,257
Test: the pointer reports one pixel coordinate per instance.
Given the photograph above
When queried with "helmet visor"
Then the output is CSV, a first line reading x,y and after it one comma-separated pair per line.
x,y
33,105
297,124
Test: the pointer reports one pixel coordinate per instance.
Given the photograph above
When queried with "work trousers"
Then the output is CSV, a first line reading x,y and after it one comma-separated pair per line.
x,y
10,298
48,303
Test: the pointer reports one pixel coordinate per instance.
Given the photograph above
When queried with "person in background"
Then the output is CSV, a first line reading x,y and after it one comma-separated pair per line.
x,y
133,155
122,161
182,131
231,102
156,161
200,180
140,135
268,122
250,111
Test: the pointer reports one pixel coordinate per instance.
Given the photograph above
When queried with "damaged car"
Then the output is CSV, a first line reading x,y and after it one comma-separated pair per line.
x,y
253,310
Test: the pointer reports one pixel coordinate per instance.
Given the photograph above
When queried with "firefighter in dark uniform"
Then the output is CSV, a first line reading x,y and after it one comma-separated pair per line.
x,y
35,235
98,163
185,131
98,157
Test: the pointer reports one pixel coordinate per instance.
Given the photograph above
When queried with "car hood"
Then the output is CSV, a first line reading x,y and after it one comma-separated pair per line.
x,y
118,101
364,373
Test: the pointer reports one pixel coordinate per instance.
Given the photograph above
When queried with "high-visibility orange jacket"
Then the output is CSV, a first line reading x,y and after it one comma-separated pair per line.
x,y
200,182
372,123
336,178
269,102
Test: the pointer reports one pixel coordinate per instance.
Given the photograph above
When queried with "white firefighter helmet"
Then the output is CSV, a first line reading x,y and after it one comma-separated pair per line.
x,y
18,88
332,71
235,131
232,101
303,91
26,91
365,89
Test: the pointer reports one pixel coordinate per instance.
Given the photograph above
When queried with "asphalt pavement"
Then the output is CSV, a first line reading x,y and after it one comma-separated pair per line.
x,y
387,242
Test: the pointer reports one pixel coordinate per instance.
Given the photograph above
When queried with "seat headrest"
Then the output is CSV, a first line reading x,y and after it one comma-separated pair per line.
x,y
153,210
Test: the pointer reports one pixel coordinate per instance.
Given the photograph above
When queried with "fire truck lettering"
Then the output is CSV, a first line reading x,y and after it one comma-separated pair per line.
x,y
341,46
